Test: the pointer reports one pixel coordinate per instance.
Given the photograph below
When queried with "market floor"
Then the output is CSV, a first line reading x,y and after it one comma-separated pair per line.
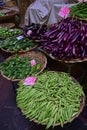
x,y
11,117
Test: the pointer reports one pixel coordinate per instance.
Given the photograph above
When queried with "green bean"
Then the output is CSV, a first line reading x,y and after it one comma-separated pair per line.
x,y
54,98
79,10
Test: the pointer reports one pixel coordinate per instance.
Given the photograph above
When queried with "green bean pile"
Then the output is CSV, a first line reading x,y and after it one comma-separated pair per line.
x,y
54,98
19,67
79,10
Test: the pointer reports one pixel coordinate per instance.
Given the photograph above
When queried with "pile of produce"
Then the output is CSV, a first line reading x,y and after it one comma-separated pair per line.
x,y
15,44
54,98
67,41
35,31
19,67
7,32
79,10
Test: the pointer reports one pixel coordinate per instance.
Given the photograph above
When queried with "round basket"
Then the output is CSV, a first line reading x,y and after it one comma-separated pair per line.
x,y
21,51
9,15
9,25
82,102
79,18
21,32
82,105
32,54
79,60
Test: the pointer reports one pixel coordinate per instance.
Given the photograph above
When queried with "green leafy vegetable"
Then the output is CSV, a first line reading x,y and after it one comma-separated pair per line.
x,y
19,67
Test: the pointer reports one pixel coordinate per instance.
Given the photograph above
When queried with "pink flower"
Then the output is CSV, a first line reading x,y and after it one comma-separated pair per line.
x,y
29,81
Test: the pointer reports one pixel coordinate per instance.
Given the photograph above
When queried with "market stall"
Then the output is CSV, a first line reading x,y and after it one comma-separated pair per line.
x,y
47,94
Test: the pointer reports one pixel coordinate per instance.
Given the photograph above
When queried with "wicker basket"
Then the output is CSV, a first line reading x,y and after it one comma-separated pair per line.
x,y
9,16
83,99
21,51
79,18
79,60
32,54
14,35
82,105
9,25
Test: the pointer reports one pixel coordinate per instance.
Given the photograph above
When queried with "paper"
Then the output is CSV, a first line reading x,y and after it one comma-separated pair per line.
x,y
64,11
30,81
29,32
32,62
20,37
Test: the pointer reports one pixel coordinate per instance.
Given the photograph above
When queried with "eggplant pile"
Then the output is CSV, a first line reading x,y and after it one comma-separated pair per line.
x,y
35,31
67,40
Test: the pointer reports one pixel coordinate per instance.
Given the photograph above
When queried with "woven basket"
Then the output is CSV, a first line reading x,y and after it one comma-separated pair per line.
x,y
9,25
83,99
82,105
82,19
10,15
21,51
79,60
14,35
32,54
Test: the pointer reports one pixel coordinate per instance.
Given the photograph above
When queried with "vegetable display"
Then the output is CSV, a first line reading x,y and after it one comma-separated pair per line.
x,y
7,32
79,10
15,44
35,31
19,67
54,98
67,41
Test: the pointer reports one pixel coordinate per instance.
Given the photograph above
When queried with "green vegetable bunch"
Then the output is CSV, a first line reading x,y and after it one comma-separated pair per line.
x,y
19,67
7,32
54,98
79,10
13,44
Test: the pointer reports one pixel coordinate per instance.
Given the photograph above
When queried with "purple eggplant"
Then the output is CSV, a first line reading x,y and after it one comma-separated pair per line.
x,y
68,40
